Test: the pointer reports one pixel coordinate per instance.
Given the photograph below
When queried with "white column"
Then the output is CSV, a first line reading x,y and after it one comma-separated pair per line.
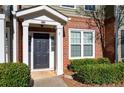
x,y
14,34
32,52
2,38
59,50
25,43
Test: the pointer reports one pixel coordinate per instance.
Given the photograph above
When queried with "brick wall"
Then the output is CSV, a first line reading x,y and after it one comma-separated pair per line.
x,y
109,39
80,23
85,23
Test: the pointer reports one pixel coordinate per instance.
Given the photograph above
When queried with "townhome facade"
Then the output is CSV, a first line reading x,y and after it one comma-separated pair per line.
x,y
48,37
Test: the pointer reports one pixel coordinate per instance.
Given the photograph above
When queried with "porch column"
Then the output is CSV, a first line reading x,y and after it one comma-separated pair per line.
x,y
59,50
15,37
2,38
25,43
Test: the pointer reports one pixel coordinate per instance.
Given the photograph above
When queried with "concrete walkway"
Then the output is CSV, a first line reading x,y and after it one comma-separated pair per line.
x,y
50,82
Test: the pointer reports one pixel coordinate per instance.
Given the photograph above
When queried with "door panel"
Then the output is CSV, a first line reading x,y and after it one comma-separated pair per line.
x,y
41,51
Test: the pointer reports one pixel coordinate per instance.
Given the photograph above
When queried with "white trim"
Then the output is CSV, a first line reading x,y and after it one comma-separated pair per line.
x,y
68,7
14,40
49,51
119,41
2,38
14,35
8,44
82,31
59,50
46,22
52,53
39,8
33,70
59,41
82,47
25,43
32,51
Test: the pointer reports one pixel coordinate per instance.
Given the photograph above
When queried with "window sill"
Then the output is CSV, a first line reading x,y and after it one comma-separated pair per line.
x,y
71,58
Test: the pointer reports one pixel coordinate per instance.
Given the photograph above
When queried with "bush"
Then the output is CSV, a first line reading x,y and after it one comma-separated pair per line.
x,y
76,64
101,73
14,75
103,61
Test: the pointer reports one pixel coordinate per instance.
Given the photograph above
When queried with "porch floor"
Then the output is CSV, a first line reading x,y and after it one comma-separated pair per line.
x,y
56,81
42,74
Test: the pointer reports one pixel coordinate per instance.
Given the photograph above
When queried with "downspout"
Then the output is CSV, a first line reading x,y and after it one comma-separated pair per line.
x,y
116,32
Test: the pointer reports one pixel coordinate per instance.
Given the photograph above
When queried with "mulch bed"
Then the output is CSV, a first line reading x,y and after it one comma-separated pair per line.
x,y
74,83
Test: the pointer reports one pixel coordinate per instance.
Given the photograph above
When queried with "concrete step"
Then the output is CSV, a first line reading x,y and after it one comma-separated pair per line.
x,y
42,74
56,81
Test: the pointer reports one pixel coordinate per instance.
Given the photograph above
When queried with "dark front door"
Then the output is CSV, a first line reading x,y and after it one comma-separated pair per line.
x,y
41,51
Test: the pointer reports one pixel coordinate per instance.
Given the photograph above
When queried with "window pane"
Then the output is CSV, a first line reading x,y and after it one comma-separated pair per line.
x,y
75,34
29,43
90,7
75,37
88,37
70,6
88,50
75,50
122,44
52,43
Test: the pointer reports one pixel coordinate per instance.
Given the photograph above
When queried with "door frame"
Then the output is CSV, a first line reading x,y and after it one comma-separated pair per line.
x,y
51,64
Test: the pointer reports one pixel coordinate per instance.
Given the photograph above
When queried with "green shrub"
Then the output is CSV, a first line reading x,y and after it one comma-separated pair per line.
x,y
101,73
103,61
14,75
76,64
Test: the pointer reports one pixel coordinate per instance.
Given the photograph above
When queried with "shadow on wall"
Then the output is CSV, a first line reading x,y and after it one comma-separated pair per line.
x,y
107,41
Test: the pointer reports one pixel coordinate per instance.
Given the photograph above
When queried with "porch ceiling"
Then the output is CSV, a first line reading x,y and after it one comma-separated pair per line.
x,y
44,10
42,26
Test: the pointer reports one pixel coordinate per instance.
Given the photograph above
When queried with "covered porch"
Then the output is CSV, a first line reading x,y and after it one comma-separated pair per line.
x,y
42,38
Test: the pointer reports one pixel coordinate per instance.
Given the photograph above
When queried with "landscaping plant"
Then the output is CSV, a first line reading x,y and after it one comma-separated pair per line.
x,y
101,73
14,75
76,64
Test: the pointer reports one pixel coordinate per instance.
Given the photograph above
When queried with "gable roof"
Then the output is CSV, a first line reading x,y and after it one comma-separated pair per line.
x,y
38,8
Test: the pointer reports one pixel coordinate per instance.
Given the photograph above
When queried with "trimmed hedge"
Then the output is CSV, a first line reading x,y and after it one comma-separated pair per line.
x,y
101,73
103,61
76,64
14,75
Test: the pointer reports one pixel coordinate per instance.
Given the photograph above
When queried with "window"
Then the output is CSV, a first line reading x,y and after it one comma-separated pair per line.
x,y
75,44
88,43
29,43
90,7
81,43
122,44
52,43
69,6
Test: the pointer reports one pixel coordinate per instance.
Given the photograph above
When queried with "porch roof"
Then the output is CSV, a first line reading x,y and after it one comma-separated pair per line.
x,y
36,9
